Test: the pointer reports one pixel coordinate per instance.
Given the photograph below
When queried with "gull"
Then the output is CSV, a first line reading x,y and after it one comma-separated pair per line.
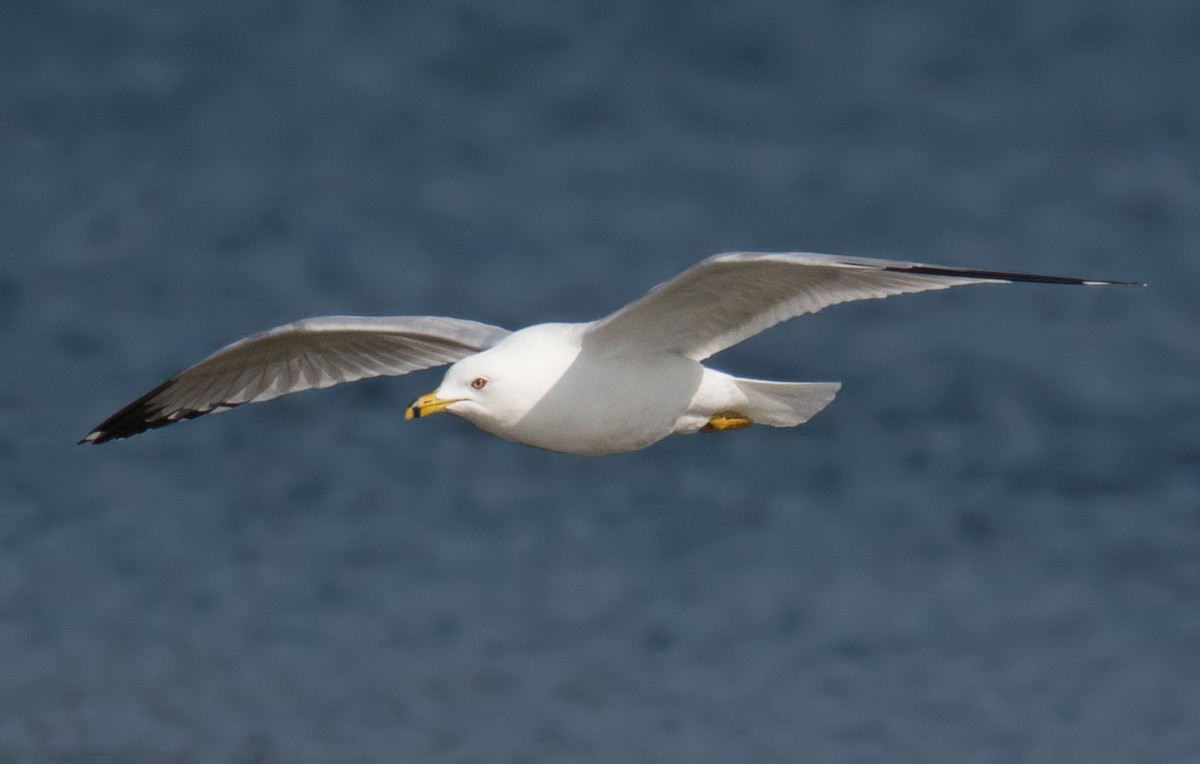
x,y
616,384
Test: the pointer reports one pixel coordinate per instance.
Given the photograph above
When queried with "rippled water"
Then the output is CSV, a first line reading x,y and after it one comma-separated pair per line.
x,y
987,550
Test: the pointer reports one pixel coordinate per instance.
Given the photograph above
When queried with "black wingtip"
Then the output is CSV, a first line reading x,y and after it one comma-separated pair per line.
x,y
101,435
1033,278
139,417
146,413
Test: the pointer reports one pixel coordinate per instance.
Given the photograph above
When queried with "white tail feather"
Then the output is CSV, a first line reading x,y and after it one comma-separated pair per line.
x,y
785,404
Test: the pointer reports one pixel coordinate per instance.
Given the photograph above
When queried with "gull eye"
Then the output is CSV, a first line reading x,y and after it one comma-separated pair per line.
x,y
479,383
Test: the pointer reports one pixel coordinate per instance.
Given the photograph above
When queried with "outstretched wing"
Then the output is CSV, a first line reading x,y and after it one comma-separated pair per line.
x,y
307,354
723,300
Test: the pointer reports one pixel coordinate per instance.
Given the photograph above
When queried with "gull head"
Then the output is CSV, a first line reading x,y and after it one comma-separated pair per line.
x,y
496,388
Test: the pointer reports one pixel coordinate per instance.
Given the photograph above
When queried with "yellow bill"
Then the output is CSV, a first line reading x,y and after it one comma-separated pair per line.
x,y
426,405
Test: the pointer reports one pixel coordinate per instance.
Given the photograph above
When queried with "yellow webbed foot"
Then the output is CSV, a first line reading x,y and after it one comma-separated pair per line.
x,y
727,420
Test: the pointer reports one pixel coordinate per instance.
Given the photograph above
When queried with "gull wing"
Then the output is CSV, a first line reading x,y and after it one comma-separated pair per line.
x,y
307,354
723,300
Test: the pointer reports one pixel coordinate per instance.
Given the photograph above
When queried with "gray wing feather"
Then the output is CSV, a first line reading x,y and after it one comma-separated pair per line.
x,y
305,355
727,298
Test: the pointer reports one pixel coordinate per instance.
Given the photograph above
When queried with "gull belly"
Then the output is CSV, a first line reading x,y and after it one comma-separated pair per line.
x,y
604,405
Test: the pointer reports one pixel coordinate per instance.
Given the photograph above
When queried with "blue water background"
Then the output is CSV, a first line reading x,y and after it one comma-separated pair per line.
x,y
987,550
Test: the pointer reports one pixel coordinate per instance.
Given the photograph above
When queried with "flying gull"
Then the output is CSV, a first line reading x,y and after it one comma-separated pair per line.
x,y
616,384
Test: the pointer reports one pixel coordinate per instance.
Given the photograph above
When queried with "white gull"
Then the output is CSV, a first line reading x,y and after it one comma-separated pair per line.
x,y
607,386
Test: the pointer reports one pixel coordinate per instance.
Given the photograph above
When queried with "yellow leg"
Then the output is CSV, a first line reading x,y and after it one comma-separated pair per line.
x,y
727,420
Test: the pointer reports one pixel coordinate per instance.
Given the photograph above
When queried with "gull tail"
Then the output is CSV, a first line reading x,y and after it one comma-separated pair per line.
x,y
784,404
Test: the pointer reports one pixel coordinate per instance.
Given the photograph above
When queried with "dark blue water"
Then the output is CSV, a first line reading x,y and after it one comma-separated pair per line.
x,y
987,550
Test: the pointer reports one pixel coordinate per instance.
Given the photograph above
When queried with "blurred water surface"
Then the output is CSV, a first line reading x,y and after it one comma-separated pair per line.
x,y
987,550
